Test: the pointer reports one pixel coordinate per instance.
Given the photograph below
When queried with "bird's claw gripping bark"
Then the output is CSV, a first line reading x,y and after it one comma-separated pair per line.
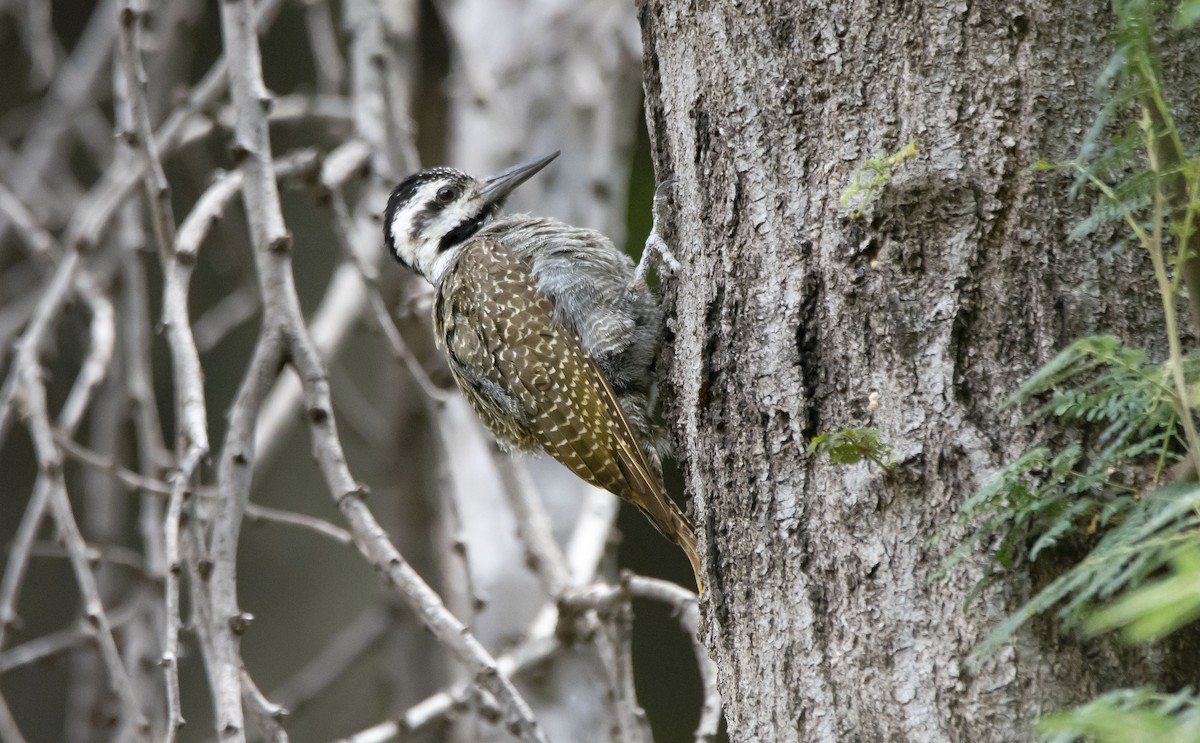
x,y
655,245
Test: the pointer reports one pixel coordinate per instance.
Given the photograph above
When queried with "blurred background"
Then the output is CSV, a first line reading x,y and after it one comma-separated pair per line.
x,y
479,85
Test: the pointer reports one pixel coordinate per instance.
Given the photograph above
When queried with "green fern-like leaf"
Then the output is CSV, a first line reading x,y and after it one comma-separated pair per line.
x,y
1127,716
1159,608
1048,496
1147,538
851,446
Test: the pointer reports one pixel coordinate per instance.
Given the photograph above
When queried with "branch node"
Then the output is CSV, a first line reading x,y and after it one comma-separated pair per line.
x,y
240,622
359,493
281,244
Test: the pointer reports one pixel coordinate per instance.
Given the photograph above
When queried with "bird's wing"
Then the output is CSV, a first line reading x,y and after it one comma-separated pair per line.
x,y
568,406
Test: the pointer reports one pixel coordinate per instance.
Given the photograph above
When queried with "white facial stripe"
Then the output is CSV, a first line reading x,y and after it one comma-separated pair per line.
x,y
421,251
441,264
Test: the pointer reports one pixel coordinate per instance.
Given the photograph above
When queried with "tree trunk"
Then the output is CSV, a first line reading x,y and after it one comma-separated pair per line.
x,y
790,316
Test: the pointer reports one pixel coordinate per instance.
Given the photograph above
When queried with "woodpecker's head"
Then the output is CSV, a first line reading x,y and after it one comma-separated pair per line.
x,y
434,211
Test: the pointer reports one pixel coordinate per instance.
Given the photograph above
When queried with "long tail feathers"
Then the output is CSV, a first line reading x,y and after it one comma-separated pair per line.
x,y
685,537
646,492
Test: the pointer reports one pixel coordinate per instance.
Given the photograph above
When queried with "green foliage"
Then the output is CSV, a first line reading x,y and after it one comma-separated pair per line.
x,y
1105,491
1127,157
1188,15
871,176
1130,407
1158,608
1128,716
852,445
1143,538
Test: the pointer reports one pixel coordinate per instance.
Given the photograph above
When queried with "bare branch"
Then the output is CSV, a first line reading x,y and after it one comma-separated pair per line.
x,y
584,553
687,610
51,479
46,646
290,518
534,529
9,732
327,58
87,338
346,647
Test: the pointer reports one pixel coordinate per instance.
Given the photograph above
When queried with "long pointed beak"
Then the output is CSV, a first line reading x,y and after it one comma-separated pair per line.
x,y
502,184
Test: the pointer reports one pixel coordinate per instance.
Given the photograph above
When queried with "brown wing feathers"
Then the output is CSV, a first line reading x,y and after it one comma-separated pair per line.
x,y
570,411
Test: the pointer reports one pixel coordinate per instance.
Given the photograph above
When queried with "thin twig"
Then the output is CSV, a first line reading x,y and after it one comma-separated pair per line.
x,y
102,339
542,553
47,646
322,40
89,457
687,611
350,644
262,713
379,551
177,258
158,190
39,241
49,306
51,478
72,89
585,549
613,639
93,215
18,558
266,514
9,732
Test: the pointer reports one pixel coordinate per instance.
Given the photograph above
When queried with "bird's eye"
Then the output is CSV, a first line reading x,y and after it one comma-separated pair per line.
x,y
446,194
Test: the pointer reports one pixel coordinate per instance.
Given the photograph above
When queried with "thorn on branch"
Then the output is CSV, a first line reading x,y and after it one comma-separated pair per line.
x,y
51,466
281,244
360,493
240,622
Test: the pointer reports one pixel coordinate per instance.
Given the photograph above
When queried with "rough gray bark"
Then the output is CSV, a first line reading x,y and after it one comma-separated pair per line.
x,y
953,286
